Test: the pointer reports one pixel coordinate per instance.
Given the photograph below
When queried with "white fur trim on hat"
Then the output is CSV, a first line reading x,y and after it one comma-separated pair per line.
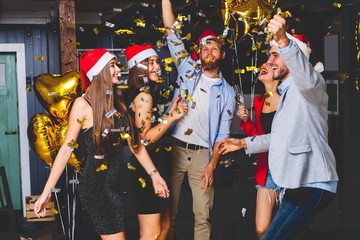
x,y
141,56
100,64
303,46
319,66
204,39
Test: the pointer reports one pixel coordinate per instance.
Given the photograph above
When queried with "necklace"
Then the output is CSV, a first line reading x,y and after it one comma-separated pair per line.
x,y
267,95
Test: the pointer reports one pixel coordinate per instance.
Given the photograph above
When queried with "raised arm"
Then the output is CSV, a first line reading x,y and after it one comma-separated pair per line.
x,y
168,15
143,117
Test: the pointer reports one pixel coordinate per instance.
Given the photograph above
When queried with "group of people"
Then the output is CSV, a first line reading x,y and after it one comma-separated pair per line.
x,y
188,127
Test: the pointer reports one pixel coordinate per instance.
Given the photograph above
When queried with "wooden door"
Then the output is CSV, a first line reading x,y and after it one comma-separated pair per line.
x,y
9,125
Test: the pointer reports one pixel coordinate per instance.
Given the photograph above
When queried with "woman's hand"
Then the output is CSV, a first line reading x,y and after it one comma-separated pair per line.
x,y
242,113
179,107
40,205
230,145
160,187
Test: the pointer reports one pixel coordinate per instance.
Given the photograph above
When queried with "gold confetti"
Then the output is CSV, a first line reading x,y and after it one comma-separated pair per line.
x,y
160,80
140,22
82,123
162,30
96,30
131,167
159,44
53,210
169,60
188,132
187,37
101,168
188,96
175,43
39,58
250,68
240,71
142,182
157,150
28,89
181,18
285,14
125,136
168,149
166,94
122,86
168,68
337,5
72,144
124,31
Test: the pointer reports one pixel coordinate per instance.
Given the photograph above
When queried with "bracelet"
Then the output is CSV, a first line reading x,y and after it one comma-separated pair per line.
x,y
153,172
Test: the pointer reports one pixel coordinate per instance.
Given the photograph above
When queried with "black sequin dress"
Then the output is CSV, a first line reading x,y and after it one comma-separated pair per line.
x,y
99,190
146,202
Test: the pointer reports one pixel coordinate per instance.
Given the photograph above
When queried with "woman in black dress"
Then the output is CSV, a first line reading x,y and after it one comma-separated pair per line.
x,y
148,103
101,116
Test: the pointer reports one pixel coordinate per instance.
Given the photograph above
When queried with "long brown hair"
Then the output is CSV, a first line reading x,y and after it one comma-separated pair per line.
x,y
101,103
135,78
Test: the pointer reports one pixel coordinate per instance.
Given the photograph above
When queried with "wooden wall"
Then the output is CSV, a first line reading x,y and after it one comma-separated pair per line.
x,y
39,41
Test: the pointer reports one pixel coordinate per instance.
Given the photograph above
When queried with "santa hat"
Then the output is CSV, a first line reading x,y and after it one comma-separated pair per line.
x,y
92,62
136,53
206,35
304,44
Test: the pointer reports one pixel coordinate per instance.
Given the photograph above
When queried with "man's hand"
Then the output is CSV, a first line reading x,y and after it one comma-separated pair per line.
x,y
208,175
230,145
277,26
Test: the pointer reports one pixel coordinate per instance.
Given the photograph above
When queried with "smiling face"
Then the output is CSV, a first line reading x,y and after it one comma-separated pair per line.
x,y
153,70
114,71
266,73
211,55
275,61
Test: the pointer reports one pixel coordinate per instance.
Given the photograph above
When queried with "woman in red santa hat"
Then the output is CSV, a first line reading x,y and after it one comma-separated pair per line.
x,y
148,103
100,115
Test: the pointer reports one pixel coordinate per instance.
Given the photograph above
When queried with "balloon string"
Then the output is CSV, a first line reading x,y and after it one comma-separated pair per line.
x,y
253,79
237,60
60,215
74,204
68,201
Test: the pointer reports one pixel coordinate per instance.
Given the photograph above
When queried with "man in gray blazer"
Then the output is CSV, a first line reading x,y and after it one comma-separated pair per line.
x,y
300,159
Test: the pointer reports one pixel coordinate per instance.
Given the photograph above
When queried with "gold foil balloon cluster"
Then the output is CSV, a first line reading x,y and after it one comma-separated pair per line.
x,y
56,93
251,13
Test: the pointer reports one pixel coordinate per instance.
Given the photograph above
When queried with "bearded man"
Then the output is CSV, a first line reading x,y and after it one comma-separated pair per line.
x,y
211,108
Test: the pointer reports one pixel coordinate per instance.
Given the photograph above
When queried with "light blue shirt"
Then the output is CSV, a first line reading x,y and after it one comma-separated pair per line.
x,y
222,96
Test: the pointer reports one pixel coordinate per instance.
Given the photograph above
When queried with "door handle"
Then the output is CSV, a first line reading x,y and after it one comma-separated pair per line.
x,y
13,132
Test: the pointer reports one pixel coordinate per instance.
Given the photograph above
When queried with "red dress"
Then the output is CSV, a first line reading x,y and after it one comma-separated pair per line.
x,y
251,129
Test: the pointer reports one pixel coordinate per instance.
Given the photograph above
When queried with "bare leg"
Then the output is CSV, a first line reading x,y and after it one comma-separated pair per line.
x,y
265,201
116,236
165,223
150,226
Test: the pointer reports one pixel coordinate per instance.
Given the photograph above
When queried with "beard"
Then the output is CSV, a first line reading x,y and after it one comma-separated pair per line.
x,y
283,72
210,65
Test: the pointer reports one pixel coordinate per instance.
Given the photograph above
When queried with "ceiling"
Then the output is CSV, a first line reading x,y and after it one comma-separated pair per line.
x,y
100,11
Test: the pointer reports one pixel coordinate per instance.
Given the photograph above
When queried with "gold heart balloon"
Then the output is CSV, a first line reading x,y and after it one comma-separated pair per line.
x,y
249,12
42,138
56,93
46,137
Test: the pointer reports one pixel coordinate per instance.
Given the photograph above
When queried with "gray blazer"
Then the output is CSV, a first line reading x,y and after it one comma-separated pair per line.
x,y
298,148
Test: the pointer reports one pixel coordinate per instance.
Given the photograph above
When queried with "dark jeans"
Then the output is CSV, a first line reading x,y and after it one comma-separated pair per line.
x,y
297,208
